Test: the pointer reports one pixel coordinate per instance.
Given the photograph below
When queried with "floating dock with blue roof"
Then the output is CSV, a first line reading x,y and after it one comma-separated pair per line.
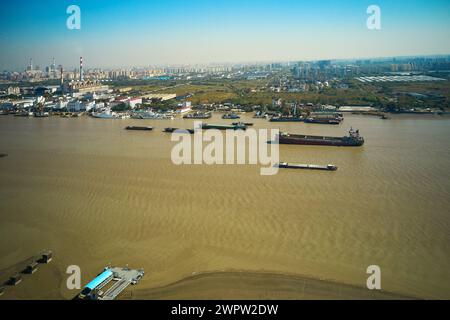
x,y
110,283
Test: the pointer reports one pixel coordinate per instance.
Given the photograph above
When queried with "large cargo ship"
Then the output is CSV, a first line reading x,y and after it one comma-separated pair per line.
x,y
352,140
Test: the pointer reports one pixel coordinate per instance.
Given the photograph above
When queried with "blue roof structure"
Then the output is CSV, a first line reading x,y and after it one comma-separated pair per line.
x,y
99,279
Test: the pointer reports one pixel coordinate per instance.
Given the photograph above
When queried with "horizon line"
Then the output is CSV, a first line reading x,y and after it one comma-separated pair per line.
x,y
254,62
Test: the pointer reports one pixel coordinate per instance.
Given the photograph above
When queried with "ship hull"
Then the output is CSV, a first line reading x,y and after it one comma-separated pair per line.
x,y
231,118
223,127
321,141
203,116
333,122
286,120
139,128
307,166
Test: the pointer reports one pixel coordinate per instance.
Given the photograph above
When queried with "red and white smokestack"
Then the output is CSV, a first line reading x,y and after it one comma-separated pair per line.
x,y
81,69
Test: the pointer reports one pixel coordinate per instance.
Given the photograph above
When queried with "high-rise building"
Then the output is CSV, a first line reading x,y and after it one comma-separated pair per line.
x,y
62,77
30,65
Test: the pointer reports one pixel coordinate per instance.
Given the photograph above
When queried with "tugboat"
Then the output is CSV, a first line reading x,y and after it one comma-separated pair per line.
x,y
352,140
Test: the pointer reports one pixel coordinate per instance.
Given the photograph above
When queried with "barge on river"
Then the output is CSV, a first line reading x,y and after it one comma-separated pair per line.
x,y
352,140
286,165
139,128
177,130
239,126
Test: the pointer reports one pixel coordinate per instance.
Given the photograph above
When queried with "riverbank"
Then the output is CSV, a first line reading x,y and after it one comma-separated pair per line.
x,y
235,285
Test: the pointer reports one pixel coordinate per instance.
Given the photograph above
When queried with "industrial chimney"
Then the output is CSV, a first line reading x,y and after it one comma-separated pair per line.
x,y
81,69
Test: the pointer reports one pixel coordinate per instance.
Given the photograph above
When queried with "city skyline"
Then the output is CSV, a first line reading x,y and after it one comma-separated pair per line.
x,y
114,34
50,62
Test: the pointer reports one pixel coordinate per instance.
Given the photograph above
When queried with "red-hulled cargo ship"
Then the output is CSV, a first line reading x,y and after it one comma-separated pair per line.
x,y
352,140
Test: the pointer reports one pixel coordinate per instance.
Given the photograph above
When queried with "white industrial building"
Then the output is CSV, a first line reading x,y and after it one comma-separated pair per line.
x,y
78,106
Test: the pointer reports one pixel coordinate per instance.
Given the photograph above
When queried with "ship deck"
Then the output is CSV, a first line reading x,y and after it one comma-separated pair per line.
x,y
308,137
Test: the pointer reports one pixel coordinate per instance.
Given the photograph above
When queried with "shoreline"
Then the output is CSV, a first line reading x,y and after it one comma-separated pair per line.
x,y
255,285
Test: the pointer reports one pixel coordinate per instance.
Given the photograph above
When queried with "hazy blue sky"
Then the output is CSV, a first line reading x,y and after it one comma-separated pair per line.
x,y
144,32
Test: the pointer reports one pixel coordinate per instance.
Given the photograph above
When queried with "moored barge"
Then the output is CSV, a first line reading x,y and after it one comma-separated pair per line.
x,y
322,120
230,116
171,130
286,119
139,128
198,115
248,124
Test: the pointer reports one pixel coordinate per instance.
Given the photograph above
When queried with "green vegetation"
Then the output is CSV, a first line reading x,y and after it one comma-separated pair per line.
x,y
121,107
248,93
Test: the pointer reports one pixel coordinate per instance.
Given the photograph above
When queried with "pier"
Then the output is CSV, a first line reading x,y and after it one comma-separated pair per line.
x,y
109,284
